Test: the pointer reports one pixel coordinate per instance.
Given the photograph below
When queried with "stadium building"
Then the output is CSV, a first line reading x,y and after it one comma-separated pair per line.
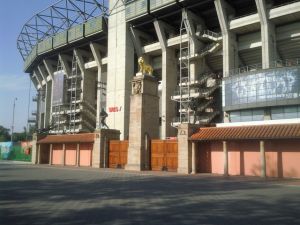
x,y
226,79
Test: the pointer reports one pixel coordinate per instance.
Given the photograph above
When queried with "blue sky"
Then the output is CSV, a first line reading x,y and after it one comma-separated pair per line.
x,y
13,81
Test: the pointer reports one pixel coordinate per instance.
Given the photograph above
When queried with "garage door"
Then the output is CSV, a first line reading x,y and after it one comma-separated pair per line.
x,y
70,158
85,154
57,151
164,155
117,154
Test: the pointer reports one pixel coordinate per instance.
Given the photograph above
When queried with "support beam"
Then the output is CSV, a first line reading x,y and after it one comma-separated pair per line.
x,y
230,48
225,155
48,96
194,149
263,159
50,154
136,36
49,65
79,57
63,161
38,77
169,81
78,155
98,58
64,62
268,38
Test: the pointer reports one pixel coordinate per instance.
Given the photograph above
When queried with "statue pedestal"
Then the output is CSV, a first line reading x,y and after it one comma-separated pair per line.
x,y
144,120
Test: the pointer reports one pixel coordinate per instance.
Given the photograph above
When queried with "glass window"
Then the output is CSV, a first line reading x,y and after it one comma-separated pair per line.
x,y
290,112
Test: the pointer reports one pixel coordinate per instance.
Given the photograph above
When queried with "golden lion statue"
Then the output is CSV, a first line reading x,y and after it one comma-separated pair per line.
x,y
144,68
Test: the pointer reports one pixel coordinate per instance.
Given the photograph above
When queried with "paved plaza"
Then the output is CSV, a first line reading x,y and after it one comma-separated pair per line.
x,y
32,194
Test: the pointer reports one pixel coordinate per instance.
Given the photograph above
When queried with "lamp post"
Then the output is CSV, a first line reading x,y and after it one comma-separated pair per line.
x,y
13,120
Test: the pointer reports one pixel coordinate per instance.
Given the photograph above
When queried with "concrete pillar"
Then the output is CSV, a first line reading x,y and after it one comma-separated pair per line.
x,y
34,153
63,161
225,155
169,82
143,119
194,149
50,154
185,147
268,37
77,154
230,48
39,154
120,69
98,58
263,159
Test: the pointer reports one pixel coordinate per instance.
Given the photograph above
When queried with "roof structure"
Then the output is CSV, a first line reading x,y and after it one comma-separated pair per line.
x,y
282,131
56,18
74,138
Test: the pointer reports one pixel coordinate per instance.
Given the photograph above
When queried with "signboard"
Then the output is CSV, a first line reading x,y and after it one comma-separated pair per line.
x,y
58,89
266,86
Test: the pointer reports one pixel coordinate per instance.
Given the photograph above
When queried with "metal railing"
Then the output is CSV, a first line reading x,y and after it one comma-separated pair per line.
x,y
258,66
211,33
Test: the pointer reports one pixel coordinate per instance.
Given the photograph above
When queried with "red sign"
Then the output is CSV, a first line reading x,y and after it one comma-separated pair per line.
x,y
114,109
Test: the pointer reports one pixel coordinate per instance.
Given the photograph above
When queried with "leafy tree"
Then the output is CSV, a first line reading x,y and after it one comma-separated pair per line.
x,y
4,134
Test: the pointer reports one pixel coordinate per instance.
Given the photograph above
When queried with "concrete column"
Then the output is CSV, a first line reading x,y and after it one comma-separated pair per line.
x,y
268,37
34,149
47,94
169,81
50,154
63,155
225,155
194,149
185,147
263,159
49,65
144,107
77,154
120,68
98,58
230,48
39,154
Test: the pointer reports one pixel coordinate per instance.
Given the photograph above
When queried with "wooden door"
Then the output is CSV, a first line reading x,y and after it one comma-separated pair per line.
x,y
70,157
164,155
157,155
57,151
171,154
85,154
118,151
203,158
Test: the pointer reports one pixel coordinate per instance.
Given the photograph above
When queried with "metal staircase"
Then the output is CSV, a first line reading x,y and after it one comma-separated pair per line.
x,y
196,97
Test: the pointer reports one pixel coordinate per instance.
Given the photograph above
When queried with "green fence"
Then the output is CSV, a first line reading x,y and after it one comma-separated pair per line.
x,y
20,151
75,33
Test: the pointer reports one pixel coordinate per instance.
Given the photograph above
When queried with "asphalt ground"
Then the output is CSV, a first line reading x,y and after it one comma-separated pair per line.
x,y
36,194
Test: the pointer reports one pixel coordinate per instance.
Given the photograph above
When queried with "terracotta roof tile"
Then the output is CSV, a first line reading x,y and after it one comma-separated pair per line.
x,y
280,131
67,138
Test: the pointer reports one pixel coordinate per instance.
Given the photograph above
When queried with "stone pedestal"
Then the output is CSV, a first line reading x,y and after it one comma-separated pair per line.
x,y
144,120
100,150
185,153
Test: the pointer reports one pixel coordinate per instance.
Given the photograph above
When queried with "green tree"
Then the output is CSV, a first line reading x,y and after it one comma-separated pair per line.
x,y
4,134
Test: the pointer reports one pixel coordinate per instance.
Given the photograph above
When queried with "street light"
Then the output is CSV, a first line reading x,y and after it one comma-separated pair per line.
x,y
13,120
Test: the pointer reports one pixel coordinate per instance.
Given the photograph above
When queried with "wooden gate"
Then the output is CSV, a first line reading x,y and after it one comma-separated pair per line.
x,y
117,154
164,155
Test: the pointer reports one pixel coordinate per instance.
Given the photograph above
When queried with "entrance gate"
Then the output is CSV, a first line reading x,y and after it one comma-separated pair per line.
x,y
117,154
164,155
